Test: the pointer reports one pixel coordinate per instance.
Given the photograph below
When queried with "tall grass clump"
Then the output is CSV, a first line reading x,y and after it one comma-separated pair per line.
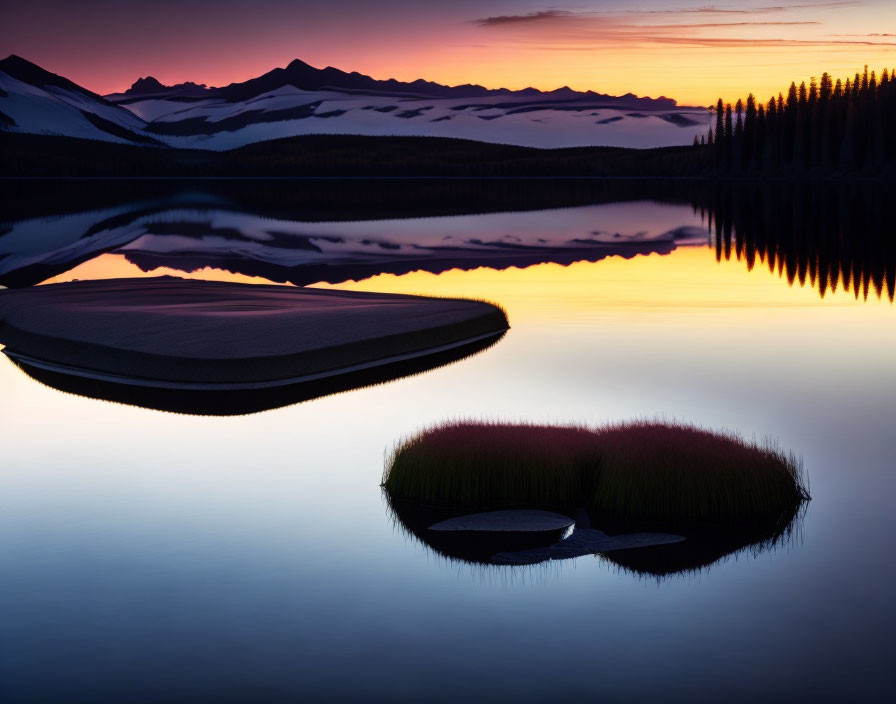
x,y
649,470
485,464
668,470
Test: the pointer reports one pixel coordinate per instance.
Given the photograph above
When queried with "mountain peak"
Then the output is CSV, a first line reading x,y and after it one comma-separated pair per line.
x,y
14,59
146,85
15,64
298,63
152,86
28,72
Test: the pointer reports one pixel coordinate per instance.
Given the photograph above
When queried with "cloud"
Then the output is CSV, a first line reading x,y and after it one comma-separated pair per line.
x,y
715,9
547,16
556,28
738,42
704,25
530,18
720,42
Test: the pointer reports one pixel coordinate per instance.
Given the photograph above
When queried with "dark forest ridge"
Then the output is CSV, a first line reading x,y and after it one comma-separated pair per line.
x,y
338,155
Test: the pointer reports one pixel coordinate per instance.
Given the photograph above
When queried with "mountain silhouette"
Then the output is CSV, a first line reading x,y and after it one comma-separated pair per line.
x,y
32,74
303,76
152,86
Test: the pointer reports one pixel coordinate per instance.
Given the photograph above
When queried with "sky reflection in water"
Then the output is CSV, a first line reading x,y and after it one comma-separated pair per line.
x,y
147,555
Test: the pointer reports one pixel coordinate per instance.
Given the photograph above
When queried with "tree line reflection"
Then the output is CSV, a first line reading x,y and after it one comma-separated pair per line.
x,y
829,237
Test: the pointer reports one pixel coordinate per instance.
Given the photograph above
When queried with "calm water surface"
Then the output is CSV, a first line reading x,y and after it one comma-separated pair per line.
x,y
151,556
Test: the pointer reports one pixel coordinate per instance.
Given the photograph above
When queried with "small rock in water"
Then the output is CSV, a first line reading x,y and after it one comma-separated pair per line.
x,y
585,542
522,521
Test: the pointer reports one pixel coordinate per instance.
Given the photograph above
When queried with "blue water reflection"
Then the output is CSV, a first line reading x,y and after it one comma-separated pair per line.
x,y
149,556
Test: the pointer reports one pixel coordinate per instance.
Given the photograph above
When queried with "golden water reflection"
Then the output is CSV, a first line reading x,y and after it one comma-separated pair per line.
x,y
684,280
117,266
687,278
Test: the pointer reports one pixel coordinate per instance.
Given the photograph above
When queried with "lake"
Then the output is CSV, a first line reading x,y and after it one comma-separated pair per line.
x,y
156,556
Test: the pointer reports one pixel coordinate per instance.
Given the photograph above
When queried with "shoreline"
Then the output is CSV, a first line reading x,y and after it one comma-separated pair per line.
x,y
24,360
185,334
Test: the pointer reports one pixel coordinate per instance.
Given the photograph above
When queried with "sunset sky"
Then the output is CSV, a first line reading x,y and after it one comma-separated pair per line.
x,y
684,49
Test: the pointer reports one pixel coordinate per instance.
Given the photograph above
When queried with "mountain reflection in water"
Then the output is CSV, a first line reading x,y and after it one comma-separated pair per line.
x,y
193,231
827,236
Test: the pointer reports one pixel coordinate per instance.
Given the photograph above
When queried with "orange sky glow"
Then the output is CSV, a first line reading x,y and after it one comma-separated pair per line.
x,y
691,51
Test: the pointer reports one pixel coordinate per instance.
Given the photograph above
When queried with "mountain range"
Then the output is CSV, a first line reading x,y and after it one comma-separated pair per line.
x,y
204,229
301,99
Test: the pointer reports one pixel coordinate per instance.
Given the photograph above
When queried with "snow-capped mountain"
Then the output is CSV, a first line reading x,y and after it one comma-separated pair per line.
x,y
36,101
301,99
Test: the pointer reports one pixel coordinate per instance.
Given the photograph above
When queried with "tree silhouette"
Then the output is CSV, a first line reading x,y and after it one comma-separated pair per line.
x,y
825,127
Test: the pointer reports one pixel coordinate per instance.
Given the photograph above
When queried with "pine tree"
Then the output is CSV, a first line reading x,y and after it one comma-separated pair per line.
x,y
790,134
720,131
813,139
757,156
749,132
770,156
729,137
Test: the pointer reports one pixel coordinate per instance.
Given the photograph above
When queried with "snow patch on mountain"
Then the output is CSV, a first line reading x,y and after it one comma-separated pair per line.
x,y
542,121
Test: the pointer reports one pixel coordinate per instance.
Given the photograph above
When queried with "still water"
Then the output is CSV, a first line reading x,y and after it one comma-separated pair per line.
x,y
153,556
